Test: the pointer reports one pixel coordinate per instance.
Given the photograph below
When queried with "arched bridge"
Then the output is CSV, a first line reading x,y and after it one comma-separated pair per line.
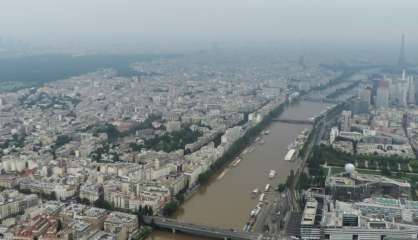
x,y
199,230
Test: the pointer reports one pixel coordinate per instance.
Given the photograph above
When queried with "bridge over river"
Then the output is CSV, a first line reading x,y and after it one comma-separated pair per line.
x,y
294,121
322,100
200,230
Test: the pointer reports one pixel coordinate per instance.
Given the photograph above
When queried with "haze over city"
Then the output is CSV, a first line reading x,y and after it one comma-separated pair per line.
x,y
188,24
204,120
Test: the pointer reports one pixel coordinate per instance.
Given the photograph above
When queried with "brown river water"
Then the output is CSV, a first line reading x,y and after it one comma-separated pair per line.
x,y
226,201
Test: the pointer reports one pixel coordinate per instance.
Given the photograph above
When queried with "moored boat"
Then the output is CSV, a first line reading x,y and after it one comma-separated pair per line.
x,y
236,162
255,192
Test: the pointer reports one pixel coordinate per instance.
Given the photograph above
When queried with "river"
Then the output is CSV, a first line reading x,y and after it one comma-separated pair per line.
x,y
226,201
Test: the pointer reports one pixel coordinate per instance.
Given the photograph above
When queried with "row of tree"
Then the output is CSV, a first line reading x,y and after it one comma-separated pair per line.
x,y
113,133
333,157
344,75
47,196
172,141
238,146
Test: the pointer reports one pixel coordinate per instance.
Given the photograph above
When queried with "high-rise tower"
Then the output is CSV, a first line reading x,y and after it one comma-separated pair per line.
x,y
382,94
402,61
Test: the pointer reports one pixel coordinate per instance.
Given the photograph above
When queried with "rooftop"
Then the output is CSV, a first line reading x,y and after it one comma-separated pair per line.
x,y
308,217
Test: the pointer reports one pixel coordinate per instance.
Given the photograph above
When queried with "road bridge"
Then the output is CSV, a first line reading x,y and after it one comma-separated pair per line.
x,y
200,230
322,100
294,121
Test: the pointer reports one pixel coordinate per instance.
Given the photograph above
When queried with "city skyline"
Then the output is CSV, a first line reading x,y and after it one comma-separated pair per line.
x,y
185,24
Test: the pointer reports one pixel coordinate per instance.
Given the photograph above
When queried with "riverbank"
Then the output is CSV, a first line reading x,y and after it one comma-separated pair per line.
x,y
242,143
238,147
144,233
231,153
274,203
226,203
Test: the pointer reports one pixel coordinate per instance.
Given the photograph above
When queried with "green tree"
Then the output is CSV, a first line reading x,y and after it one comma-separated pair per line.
x,y
304,182
282,187
85,201
180,197
170,208
61,141
101,203
385,171
150,211
290,179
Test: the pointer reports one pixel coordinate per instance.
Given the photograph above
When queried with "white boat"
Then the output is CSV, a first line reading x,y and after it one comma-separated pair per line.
x,y
222,175
246,227
251,149
255,212
290,155
236,162
267,187
261,199
255,191
272,173
266,132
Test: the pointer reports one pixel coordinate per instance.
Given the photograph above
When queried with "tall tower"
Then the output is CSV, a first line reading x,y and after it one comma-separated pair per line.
x,y
401,61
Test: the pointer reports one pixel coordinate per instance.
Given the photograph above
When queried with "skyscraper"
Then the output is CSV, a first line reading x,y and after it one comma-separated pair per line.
x,y
375,79
411,91
362,103
382,94
398,91
402,61
365,95
346,121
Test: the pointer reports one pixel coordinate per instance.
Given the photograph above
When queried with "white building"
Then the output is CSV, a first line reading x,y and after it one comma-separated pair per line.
x,y
333,135
346,121
90,192
231,134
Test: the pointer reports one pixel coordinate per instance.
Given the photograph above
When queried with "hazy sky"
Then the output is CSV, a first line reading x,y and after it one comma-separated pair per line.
x,y
170,22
